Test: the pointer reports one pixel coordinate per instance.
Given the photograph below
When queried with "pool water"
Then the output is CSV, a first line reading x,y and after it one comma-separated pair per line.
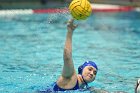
x,y
31,50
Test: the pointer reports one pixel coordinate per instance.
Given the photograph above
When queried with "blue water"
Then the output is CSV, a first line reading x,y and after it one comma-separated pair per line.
x,y
31,50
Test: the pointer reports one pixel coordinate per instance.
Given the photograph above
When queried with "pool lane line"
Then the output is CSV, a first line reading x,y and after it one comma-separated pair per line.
x,y
16,11
53,10
95,8
111,8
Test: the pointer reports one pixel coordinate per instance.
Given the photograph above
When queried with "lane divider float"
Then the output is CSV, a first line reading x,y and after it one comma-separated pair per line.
x,y
95,8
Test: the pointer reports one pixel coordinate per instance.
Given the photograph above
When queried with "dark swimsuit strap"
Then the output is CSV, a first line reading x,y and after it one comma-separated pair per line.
x,y
85,82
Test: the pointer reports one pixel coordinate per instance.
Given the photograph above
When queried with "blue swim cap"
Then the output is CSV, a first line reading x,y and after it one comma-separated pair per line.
x,y
87,63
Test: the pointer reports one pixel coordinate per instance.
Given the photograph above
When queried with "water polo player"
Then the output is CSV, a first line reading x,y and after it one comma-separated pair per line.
x,y
70,80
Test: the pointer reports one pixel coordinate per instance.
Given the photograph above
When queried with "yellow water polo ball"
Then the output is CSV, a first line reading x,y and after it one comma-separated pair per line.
x,y
80,9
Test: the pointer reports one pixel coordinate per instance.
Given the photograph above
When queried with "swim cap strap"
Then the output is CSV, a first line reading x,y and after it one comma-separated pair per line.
x,y
85,82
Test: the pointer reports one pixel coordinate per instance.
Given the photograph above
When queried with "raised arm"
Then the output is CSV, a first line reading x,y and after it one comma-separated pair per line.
x,y
68,68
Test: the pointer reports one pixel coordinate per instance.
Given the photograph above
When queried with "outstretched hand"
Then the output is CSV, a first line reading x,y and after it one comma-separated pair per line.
x,y
70,25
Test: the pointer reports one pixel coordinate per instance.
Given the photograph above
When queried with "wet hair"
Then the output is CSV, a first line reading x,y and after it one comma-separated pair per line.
x,y
87,63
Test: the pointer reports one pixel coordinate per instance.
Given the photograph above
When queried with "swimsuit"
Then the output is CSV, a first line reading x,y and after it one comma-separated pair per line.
x,y
57,88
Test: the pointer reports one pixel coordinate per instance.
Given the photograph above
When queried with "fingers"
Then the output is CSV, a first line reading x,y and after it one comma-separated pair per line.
x,y
71,24
71,21
76,26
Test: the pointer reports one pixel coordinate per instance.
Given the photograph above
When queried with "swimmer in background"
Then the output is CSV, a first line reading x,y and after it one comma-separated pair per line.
x,y
69,79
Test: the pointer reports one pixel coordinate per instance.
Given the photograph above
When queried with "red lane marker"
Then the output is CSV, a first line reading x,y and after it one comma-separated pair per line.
x,y
50,10
62,10
120,9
